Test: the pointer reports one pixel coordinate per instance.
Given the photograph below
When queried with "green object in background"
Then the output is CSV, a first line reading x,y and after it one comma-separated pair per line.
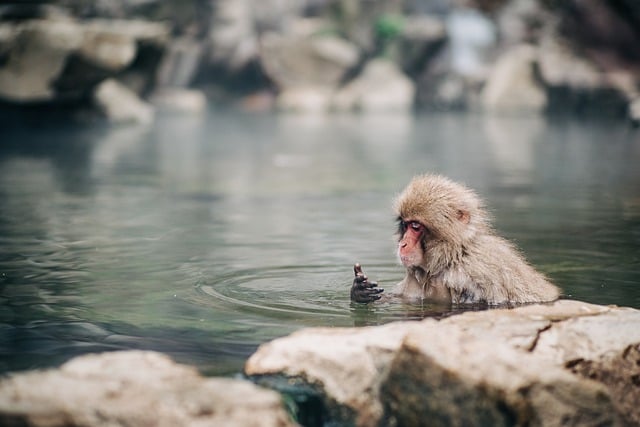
x,y
388,26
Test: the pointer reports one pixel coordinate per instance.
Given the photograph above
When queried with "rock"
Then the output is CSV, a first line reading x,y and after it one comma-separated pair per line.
x,y
306,70
291,62
568,363
560,67
362,22
237,25
233,39
421,38
119,104
36,58
307,99
381,87
471,37
349,364
575,83
524,21
108,49
634,111
180,62
512,86
134,388
62,60
179,100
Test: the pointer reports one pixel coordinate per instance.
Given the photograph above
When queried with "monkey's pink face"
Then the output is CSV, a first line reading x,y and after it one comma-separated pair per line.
x,y
410,250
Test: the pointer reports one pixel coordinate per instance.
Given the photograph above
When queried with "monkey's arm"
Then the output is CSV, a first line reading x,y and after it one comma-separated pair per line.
x,y
363,290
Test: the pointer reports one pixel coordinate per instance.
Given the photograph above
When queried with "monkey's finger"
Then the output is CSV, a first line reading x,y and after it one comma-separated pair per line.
x,y
374,291
371,284
375,297
361,279
357,269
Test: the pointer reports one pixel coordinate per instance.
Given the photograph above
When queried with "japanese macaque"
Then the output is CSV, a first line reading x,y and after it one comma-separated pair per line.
x,y
451,253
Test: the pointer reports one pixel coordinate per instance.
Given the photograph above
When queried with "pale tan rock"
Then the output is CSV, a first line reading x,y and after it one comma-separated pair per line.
x,y
292,62
120,105
349,363
37,58
512,86
134,388
565,363
381,88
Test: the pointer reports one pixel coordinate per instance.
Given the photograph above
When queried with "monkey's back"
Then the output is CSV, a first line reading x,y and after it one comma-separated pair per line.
x,y
494,271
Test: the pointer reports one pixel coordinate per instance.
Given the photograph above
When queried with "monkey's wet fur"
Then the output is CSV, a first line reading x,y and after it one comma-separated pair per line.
x,y
452,254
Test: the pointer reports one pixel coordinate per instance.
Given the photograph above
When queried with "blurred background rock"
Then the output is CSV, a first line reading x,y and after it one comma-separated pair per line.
x,y
123,60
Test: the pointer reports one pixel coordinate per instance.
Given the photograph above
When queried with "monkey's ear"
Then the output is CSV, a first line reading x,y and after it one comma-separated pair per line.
x,y
463,216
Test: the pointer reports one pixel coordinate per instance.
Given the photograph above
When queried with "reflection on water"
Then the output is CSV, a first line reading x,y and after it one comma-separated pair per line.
x,y
204,237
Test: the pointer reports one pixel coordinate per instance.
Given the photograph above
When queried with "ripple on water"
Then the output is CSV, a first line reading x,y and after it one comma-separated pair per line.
x,y
314,295
280,291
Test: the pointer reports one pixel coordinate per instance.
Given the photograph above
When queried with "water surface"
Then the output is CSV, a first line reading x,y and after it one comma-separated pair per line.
x,y
204,237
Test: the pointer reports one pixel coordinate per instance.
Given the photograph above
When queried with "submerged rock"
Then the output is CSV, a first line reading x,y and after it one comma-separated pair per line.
x,y
568,363
134,388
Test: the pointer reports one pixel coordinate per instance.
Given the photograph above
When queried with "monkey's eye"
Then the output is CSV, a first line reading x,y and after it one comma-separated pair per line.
x,y
415,225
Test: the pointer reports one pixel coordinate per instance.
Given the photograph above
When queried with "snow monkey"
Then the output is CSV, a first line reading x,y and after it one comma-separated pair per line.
x,y
451,253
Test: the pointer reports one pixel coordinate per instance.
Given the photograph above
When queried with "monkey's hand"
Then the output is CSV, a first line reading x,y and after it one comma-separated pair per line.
x,y
363,290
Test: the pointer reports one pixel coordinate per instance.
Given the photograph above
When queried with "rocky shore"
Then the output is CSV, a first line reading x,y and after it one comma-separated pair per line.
x,y
567,363
122,61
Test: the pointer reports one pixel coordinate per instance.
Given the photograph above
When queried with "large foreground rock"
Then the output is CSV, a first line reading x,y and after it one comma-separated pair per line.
x,y
567,363
134,388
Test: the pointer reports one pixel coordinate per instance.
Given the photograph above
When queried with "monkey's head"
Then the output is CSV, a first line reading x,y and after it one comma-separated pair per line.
x,y
436,219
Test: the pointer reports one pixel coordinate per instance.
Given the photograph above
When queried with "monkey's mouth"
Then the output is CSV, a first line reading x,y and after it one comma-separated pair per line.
x,y
407,261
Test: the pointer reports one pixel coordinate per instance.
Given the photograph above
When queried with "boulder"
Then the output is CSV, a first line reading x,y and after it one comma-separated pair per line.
x,y
134,388
177,100
634,111
381,87
36,58
568,363
561,67
304,99
292,62
118,104
421,39
61,59
512,86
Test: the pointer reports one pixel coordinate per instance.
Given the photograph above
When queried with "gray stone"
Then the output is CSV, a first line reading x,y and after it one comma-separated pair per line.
x,y
119,104
560,66
381,87
292,62
421,38
134,388
180,63
36,58
179,100
61,58
512,86
308,100
634,110
567,363
348,363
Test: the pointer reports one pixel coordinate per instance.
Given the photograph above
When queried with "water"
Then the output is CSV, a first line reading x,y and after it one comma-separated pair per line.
x,y
204,237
